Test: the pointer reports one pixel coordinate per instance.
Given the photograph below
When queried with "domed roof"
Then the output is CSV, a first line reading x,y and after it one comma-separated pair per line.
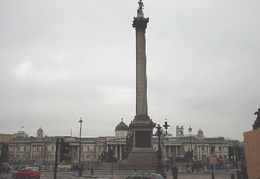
x,y
200,131
122,126
40,130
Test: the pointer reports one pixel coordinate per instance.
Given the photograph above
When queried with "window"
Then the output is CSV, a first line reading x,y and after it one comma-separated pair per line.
x,y
24,149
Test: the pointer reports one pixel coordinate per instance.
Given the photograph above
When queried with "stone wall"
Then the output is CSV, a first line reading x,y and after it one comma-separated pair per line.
x,y
252,147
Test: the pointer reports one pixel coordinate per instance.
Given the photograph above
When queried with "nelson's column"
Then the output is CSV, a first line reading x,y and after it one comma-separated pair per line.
x,y
142,126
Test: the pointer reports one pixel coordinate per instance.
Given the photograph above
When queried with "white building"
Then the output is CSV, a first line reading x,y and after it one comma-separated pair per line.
x,y
41,149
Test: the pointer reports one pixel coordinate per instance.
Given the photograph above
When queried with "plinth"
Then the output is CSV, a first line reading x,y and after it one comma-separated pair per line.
x,y
142,155
252,150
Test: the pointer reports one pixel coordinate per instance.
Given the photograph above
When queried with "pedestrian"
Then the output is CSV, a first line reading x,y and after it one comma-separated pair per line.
x,y
80,170
244,171
187,168
174,171
1,166
167,167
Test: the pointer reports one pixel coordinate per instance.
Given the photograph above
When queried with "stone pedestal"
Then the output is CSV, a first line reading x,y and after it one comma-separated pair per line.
x,y
142,155
142,159
252,150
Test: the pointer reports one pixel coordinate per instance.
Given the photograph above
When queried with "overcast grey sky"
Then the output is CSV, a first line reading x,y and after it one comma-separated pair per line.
x,y
65,59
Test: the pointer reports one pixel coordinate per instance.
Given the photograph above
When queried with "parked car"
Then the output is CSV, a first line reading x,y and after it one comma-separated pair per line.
x,y
145,176
27,173
5,167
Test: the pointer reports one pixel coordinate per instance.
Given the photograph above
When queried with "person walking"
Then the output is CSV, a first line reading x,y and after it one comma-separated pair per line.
x,y
1,166
174,171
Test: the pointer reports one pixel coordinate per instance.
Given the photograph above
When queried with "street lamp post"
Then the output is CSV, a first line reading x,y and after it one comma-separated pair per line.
x,y
80,167
191,150
159,166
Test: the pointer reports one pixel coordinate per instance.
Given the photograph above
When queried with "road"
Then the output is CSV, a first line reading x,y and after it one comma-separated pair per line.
x,y
122,174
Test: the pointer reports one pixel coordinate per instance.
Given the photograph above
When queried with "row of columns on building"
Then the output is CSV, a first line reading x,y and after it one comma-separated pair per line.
x,y
178,150
118,149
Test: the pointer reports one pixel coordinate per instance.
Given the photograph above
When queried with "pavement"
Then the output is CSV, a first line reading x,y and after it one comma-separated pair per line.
x,y
122,175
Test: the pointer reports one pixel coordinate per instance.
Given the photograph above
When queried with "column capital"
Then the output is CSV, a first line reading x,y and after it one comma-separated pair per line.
x,y
140,22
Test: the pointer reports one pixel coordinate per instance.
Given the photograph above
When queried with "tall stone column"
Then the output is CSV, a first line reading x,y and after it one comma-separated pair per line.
x,y
140,24
142,126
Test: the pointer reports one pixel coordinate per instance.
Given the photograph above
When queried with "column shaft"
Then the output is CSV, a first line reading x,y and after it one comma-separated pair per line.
x,y
141,79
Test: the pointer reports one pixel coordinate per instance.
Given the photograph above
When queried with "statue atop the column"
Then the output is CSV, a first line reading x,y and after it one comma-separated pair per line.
x,y
141,5
256,124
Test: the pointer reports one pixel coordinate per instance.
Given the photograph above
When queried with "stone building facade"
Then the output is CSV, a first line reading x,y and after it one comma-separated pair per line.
x,y
203,147
41,149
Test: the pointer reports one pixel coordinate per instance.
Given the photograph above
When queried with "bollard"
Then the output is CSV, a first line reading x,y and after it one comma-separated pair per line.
x,y
232,176
212,175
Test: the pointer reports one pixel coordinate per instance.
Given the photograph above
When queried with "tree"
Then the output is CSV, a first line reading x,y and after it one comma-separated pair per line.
x,y
64,151
129,144
4,152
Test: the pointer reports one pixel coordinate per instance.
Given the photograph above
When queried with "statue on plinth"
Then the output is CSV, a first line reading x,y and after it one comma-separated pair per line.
x,y
256,124
140,12
141,5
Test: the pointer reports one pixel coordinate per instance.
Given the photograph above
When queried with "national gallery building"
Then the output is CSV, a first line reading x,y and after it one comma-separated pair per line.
x,y
41,149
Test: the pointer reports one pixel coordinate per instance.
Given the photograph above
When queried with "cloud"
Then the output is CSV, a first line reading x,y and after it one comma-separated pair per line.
x,y
60,60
